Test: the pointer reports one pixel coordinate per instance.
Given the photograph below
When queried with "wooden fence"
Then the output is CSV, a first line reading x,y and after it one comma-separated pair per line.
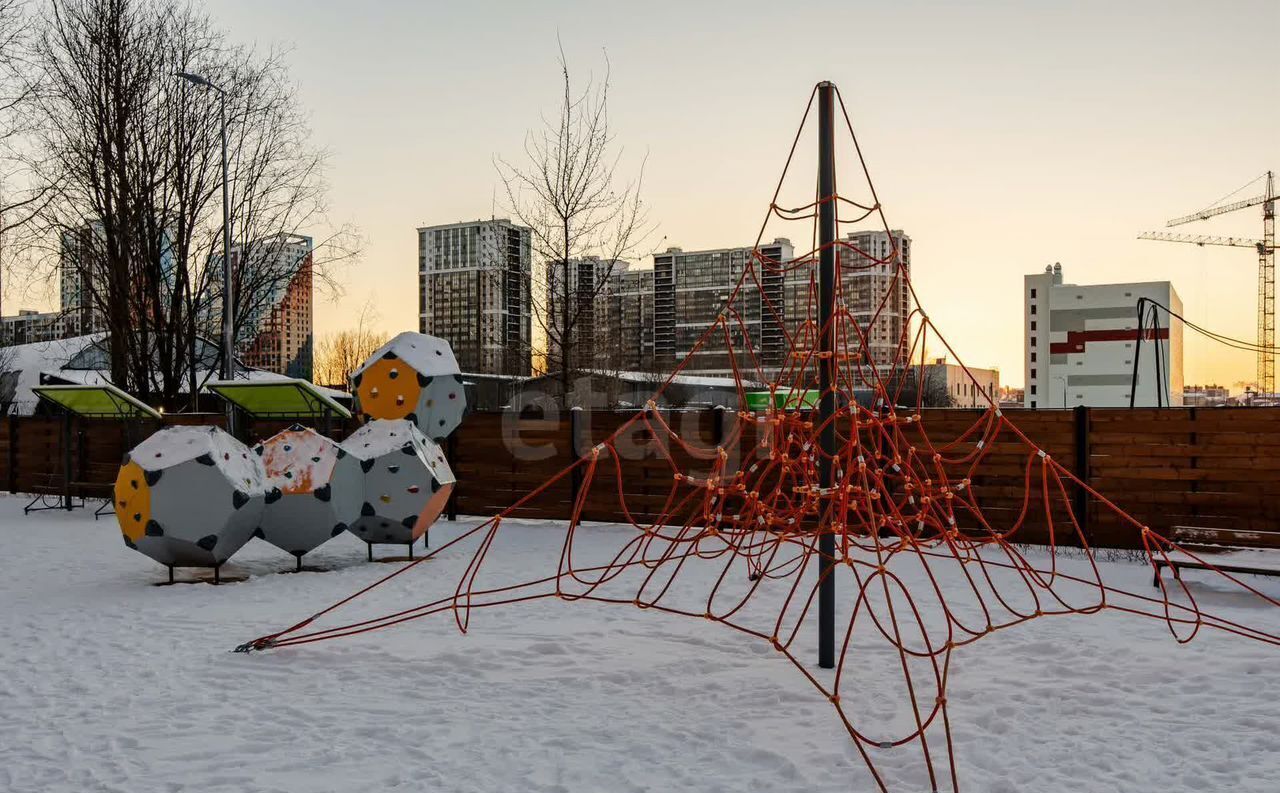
x,y
1216,467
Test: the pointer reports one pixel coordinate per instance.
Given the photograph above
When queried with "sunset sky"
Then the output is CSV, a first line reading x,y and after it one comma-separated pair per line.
x,y
1002,136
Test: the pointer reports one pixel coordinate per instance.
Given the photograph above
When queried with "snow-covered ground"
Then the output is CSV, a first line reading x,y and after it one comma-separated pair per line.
x,y
111,684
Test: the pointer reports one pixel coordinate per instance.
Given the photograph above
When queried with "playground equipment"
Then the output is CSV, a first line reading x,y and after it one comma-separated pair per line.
x,y
190,497
316,490
794,495
407,482
414,376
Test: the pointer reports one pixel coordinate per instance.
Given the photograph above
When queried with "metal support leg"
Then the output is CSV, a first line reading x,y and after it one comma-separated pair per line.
x,y
370,550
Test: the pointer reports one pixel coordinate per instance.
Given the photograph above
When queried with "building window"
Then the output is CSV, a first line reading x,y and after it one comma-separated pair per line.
x,y
1033,388
1033,356
1033,371
1033,403
1033,308
1033,293
1033,324
1033,341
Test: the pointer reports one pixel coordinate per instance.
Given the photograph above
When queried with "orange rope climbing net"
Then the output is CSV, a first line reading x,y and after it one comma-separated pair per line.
x,y
755,503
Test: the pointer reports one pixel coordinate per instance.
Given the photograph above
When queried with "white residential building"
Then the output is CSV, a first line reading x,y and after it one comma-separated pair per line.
x,y
474,292
1081,342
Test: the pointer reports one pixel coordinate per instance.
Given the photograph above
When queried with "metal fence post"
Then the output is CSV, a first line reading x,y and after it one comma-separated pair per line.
x,y
13,453
451,454
1080,496
575,479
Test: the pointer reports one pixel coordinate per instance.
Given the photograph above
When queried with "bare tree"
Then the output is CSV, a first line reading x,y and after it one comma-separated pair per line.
x,y
584,218
133,156
339,354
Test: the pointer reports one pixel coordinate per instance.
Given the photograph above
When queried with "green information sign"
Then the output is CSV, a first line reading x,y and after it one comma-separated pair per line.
x,y
782,400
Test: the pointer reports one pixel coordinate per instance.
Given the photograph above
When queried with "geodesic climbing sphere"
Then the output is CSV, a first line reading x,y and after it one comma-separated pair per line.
x,y
314,490
407,481
414,376
189,496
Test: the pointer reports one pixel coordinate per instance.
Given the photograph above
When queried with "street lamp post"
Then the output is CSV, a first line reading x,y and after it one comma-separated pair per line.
x,y
228,296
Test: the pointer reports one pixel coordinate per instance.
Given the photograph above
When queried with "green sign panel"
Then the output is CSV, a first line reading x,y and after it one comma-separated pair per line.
x,y
782,400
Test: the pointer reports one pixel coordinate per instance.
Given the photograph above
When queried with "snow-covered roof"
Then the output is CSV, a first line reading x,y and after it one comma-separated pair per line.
x,y
29,361
49,360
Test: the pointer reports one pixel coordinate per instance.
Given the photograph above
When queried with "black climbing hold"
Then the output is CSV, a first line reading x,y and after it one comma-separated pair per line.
x,y
134,482
355,381
441,422
205,459
338,528
395,469
408,449
259,533
362,529
458,377
393,374
323,493
367,509
239,499
274,495
423,380
152,476
258,449
366,465
154,530
434,485
296,427
389,355
412,417
129,542
315,459
125,459
409,521
341,452
208,542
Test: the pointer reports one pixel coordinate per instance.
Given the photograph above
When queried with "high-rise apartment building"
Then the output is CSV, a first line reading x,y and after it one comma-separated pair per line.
x,y
875,267
1081,343
590,282
690,288
81,312
629,329
277,333
474,292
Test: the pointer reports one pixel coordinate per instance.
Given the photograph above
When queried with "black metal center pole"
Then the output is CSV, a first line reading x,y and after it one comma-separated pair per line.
x,y
826,373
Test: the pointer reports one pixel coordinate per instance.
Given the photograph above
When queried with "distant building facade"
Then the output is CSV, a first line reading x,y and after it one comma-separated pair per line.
x,y
474,281
277,334
1080,344
1205,395
77,251
875,271
28,327
645,319
978,388
690,288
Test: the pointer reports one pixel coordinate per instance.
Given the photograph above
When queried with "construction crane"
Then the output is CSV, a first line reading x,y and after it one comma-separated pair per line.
x,y
1266,250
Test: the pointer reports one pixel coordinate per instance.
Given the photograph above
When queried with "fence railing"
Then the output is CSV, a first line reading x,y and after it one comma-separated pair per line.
x,y
1216,467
